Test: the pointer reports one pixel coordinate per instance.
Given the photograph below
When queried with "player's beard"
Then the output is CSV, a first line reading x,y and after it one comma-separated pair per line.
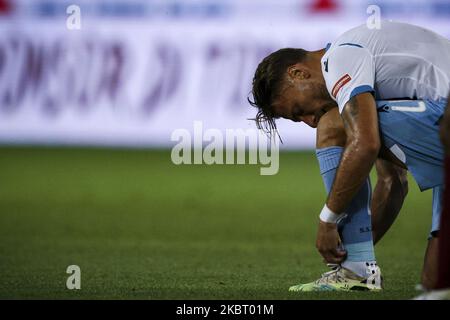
x,y
322,92
324,98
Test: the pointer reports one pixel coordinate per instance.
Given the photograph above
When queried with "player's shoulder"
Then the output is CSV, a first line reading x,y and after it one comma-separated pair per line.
x,y
349,47
373,37
350,42
345,51
343,56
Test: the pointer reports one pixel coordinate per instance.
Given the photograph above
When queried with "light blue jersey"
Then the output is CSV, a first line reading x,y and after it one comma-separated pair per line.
x,y
396,61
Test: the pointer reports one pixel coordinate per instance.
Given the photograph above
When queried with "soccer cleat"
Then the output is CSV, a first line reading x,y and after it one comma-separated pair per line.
x,y
341,279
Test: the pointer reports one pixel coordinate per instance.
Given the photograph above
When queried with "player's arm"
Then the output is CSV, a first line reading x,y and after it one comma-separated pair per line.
x,y
388,196
361,150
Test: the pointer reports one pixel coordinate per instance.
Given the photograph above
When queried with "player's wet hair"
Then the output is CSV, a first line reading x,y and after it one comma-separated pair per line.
x,y
267,83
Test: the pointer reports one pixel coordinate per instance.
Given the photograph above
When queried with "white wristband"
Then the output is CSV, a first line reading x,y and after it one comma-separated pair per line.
x,y
328,216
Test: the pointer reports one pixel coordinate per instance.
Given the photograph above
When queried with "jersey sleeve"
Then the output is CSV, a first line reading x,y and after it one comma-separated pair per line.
x,y
350,71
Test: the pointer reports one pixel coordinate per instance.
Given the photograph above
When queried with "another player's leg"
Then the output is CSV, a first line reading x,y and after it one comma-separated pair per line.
x,y
444,242
441,289
442,286
430,265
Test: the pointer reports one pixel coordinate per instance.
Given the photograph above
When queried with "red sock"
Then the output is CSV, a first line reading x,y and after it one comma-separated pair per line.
x,y
444,234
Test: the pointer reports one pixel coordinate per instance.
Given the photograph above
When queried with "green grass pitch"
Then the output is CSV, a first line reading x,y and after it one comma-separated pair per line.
x,y
141,227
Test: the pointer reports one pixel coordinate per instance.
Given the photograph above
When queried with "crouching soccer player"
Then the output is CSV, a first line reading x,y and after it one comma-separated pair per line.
x,y
354,75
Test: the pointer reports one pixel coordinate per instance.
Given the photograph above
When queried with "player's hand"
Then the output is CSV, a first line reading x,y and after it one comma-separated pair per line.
x,y
328,243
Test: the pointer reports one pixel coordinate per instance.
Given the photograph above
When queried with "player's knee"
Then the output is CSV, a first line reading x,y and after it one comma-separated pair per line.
x,y
401,179
396,178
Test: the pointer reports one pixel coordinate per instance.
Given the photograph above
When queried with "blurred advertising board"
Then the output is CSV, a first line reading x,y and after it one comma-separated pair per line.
x,y
132,72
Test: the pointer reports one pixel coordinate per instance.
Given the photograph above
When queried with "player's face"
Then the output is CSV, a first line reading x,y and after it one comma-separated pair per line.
x,y
303,101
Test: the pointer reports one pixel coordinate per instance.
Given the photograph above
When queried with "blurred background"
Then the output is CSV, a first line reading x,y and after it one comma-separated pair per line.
x,y
90,93
138,69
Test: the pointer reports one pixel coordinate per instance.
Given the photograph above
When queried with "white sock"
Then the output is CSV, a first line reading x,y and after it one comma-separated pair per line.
x,y
360,268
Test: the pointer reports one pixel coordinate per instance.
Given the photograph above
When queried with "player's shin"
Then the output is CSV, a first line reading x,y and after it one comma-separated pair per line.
x,y
355,227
